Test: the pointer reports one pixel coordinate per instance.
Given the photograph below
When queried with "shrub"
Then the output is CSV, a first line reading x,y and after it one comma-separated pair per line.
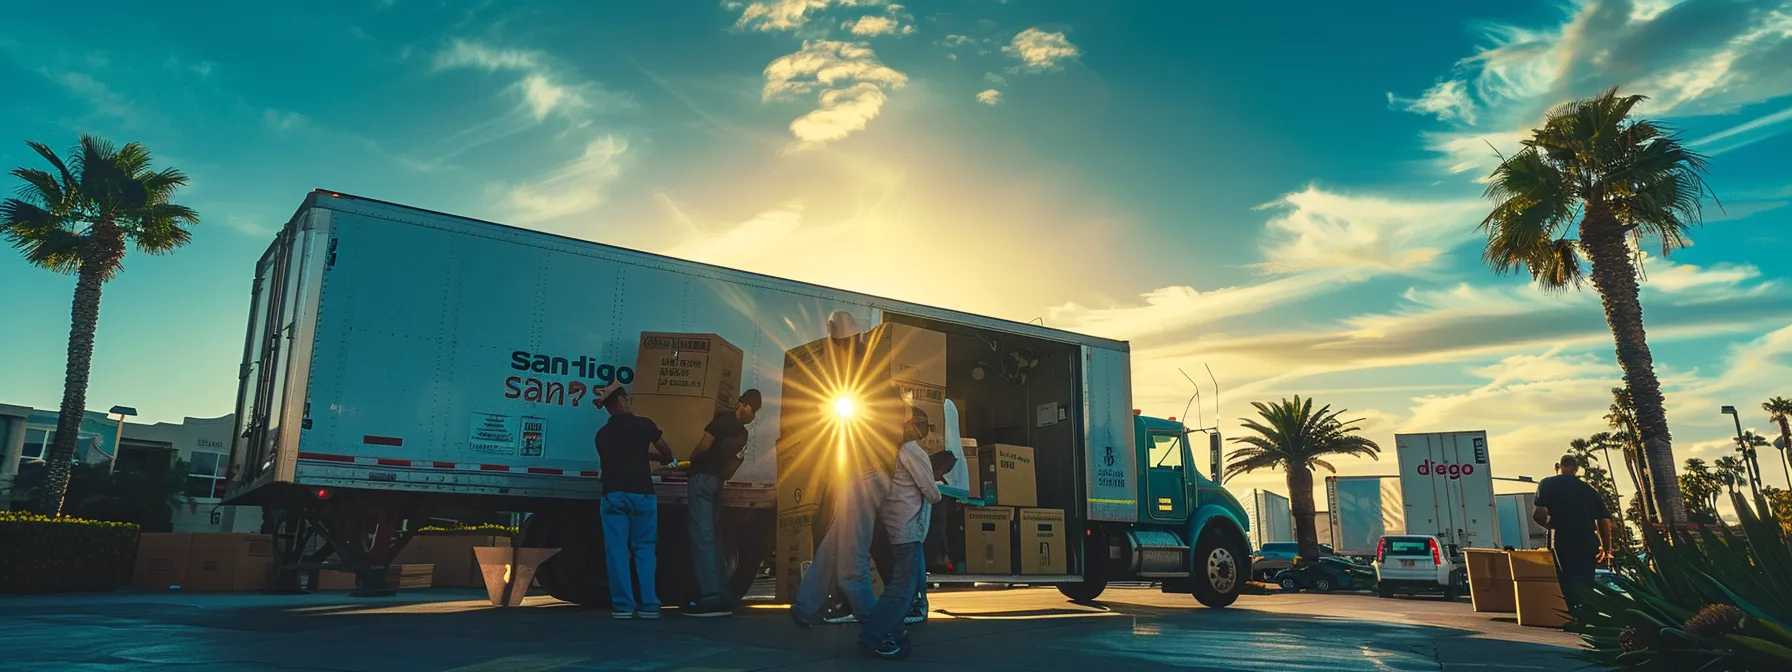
x,y
462,528
64,555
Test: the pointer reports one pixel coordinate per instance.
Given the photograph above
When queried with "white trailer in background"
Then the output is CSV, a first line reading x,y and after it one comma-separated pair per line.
x,y
1271,518
1517,529
1447,486
1363,508
1322,528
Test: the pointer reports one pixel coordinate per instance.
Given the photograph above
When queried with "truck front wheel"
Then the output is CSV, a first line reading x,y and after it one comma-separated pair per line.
x,y
1219,568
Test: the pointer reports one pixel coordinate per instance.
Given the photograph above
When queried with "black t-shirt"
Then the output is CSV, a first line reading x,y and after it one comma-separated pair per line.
x,y
622,446
1573,506
723,456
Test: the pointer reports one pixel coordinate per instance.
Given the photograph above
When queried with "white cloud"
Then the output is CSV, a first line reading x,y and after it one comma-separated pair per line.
x,y
1040,51
1321,229
787,15
995,79
1448,101
1745,127
1173,309
853,83
990,97
540,88
571,189
283,121
953,41
872,25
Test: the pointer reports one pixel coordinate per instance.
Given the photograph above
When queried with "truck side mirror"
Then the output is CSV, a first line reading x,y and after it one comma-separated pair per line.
x,y
1213,455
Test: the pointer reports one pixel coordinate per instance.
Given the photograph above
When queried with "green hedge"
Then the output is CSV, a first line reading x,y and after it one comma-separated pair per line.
x,y
64,555
486,528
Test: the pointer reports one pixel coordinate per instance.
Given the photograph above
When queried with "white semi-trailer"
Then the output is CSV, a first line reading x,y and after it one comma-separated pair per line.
x,y
402,365
1446,483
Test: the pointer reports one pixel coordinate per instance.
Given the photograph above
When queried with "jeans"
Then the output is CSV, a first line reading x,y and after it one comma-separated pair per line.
x,y
844,557
908,570
703,511
1576,558
631,529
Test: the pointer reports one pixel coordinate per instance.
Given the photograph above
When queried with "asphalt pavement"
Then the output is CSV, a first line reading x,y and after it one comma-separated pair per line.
x,y
1135,629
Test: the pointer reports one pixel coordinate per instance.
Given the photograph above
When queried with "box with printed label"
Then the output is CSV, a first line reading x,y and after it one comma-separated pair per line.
x,y
688,365
161,560
1016,480
989,540
681,419
229,562
1042,541
931,402
796,547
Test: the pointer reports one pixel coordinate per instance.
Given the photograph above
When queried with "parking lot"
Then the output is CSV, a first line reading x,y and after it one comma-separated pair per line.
x,y
1131,628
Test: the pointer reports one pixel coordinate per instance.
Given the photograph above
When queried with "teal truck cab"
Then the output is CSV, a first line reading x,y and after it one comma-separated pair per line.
x,y
1190,533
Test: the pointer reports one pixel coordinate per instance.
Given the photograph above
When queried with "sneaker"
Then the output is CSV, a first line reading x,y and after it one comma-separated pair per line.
x,y
839,613
622,615
916,614
892,647
649,615
798,619
694,611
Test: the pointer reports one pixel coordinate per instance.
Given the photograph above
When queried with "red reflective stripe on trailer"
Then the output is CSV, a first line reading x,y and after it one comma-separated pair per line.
x,y
545,470
382,440
442,465
493,467
326,458
589,474
389,462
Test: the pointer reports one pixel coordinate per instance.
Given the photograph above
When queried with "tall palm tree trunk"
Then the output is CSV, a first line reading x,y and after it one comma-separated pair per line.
x,y
84,320
1786,453
1615,277
1300,501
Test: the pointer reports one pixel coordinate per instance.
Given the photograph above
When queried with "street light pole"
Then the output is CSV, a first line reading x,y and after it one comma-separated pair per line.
x,y
118,437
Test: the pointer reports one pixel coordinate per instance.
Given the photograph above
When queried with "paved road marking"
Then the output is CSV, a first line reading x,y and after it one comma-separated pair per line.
x,y
524,663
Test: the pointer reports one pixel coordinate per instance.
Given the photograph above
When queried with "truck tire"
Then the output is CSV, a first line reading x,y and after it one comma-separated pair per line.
x,y
744,555
1086,590
1219,566
576,573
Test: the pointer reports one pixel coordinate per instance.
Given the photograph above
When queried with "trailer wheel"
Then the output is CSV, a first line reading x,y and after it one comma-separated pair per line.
x,y
743,556
1220,563
575,574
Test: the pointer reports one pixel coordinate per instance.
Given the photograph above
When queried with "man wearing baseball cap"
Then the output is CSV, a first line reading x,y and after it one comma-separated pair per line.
x,y
713,462
629,510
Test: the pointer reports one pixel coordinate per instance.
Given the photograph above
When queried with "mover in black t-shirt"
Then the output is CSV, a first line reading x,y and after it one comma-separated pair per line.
x,y
629,509
717,455
1577,515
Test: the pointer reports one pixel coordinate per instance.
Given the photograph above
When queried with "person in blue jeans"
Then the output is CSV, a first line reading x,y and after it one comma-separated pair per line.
x,y
906,513
629,510
713,462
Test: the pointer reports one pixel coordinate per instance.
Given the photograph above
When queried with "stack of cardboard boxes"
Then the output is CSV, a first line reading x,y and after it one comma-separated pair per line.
x,y
1004,478
203,561
682,381
847,394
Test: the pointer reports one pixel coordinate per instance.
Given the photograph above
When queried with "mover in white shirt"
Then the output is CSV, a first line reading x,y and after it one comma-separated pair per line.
x,y
906,512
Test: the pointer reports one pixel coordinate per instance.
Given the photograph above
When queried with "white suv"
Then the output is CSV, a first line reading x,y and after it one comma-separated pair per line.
x,y
1411,563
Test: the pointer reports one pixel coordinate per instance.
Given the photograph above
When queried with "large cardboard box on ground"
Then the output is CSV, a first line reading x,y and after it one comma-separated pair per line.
x,y
229,562
1042,541
451,555
680,419
161,560
989,540
1490,582
1540,604
1017,482
796,547
688,365
333,579
1532,565
931,401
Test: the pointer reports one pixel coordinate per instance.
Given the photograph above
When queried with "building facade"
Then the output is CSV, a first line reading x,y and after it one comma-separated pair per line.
x,y
201,445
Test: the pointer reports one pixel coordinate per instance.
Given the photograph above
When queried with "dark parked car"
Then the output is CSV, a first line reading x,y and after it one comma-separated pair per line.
x,y
1326,575
1276,556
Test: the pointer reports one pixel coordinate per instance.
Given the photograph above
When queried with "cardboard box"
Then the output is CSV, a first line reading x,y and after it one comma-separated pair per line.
x,y
412,575
681,419
989,540
932,402
914,355
1043,540
1537,564
688,365
1016,480
796,547
973,468
1490,580
332,579
1540,604
229,562
161,560
451,556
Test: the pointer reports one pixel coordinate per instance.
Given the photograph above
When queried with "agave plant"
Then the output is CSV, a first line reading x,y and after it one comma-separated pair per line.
x,y
1702,601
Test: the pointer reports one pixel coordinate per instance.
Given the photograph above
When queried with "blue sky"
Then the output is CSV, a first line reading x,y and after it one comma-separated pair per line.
x,y
1286,193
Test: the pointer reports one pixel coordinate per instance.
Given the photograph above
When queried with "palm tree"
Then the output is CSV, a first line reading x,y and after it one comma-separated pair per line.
x,y
1748,446
1621,418
1702,489
1619,179
1779,409
78,221
1731,471
1295,437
